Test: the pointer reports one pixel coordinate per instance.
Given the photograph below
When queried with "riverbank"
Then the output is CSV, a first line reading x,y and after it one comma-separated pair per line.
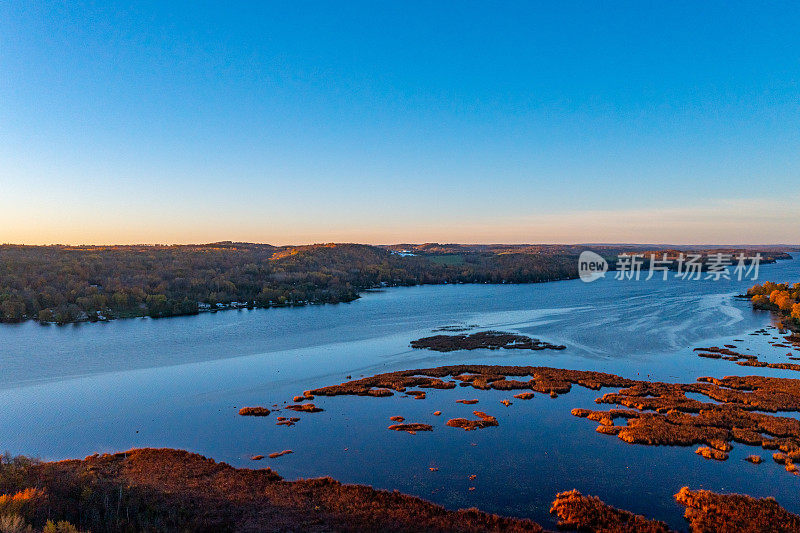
x,y
782,299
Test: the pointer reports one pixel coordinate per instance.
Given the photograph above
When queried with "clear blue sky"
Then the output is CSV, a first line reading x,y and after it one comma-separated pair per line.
x,y
377,122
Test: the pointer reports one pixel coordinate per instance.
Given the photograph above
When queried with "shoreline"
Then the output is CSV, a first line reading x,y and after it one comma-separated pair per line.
x,y
228,307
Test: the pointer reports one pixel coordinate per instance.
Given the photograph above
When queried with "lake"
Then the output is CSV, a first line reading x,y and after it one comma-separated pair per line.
x,y
74,390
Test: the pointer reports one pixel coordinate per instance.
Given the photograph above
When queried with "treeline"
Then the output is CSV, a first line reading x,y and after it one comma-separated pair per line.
x,y
781,298
67,284
769,253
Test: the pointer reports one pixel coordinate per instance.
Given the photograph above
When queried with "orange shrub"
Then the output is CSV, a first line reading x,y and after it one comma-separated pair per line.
x,y
755,290
22,503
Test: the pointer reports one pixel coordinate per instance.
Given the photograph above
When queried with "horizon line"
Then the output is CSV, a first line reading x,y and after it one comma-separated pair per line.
x,y
453,243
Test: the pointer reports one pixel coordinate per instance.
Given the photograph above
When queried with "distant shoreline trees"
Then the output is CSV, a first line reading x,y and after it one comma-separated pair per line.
x,y
64,284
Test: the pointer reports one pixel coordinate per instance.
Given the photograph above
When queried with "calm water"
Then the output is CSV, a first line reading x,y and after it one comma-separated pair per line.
x,y
72,391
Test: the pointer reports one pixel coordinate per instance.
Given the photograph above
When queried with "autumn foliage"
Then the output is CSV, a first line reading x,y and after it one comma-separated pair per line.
x,y
779,297
76,283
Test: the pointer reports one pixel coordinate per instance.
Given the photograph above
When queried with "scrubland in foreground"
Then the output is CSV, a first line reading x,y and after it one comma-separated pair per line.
x,y
173,490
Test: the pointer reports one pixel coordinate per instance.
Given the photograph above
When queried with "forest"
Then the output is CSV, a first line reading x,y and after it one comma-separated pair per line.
x,y
63,284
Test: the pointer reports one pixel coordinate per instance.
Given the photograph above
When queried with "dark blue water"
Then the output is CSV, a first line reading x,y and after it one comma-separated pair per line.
x,y
75,390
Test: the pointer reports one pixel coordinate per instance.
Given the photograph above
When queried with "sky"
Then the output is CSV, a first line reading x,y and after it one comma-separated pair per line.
x,y
384,122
